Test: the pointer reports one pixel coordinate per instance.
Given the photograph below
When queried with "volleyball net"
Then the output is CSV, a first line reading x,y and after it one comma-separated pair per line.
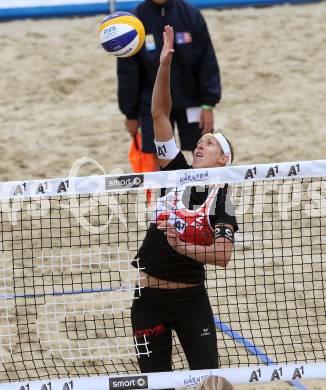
x,y
67,283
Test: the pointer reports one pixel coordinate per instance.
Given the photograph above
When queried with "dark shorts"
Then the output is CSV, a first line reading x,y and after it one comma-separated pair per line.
x,y
189,133
186,311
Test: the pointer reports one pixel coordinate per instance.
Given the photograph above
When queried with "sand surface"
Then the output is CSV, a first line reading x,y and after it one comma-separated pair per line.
x,y
58,91
58,94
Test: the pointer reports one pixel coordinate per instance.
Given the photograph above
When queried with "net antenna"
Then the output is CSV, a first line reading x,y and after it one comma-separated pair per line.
x,y
67,284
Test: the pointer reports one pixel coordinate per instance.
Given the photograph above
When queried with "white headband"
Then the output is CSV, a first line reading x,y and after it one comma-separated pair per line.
x,y
224,145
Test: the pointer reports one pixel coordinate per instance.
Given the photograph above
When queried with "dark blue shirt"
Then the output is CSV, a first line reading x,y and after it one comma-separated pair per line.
x,y
195,78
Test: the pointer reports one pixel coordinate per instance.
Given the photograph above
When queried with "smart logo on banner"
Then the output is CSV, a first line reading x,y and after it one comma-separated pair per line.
x,y
122,182
128,382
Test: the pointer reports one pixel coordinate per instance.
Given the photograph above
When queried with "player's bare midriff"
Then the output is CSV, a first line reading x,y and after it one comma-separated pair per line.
x,y
151,281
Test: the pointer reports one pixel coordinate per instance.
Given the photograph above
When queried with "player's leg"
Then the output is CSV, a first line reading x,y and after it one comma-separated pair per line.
x,y
189,133
196,330
149,319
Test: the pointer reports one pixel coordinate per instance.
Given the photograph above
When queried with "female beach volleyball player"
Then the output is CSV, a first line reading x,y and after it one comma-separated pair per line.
x,y
190,229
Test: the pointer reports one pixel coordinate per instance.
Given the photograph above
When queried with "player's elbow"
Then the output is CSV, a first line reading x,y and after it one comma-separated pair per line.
x,y
224,261
224,255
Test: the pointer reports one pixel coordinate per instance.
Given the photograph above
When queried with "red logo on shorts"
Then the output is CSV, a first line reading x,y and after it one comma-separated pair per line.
x,y
156,331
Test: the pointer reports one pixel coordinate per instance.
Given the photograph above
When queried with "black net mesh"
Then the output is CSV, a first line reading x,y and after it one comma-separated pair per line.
x,y
67,283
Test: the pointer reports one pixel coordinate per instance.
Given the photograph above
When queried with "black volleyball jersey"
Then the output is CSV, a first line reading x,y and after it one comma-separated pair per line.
x,y
193,212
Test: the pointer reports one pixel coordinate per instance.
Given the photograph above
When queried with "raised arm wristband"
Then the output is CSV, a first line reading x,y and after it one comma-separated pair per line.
x,y
166,150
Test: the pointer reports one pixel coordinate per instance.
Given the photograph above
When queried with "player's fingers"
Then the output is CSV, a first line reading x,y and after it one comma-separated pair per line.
x,y
162,225
172,241
169,34
170,232
171,235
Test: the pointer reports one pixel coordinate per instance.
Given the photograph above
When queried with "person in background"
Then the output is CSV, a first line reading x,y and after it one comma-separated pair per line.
x,y
195,77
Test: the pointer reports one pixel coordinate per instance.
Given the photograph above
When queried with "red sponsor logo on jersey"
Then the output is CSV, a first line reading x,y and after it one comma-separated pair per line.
x,y
156,331
192,227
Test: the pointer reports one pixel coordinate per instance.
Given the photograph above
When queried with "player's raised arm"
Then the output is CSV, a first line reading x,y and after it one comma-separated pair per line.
x,y
162,103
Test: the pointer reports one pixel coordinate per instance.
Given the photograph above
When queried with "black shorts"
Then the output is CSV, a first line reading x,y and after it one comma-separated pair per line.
x,y
187,311
189,133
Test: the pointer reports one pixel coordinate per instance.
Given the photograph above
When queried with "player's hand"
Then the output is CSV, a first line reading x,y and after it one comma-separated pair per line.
x,y
167,50
206,122
172,237
132,126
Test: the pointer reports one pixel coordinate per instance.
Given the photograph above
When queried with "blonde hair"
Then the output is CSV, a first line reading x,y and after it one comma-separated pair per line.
x,y
215,383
